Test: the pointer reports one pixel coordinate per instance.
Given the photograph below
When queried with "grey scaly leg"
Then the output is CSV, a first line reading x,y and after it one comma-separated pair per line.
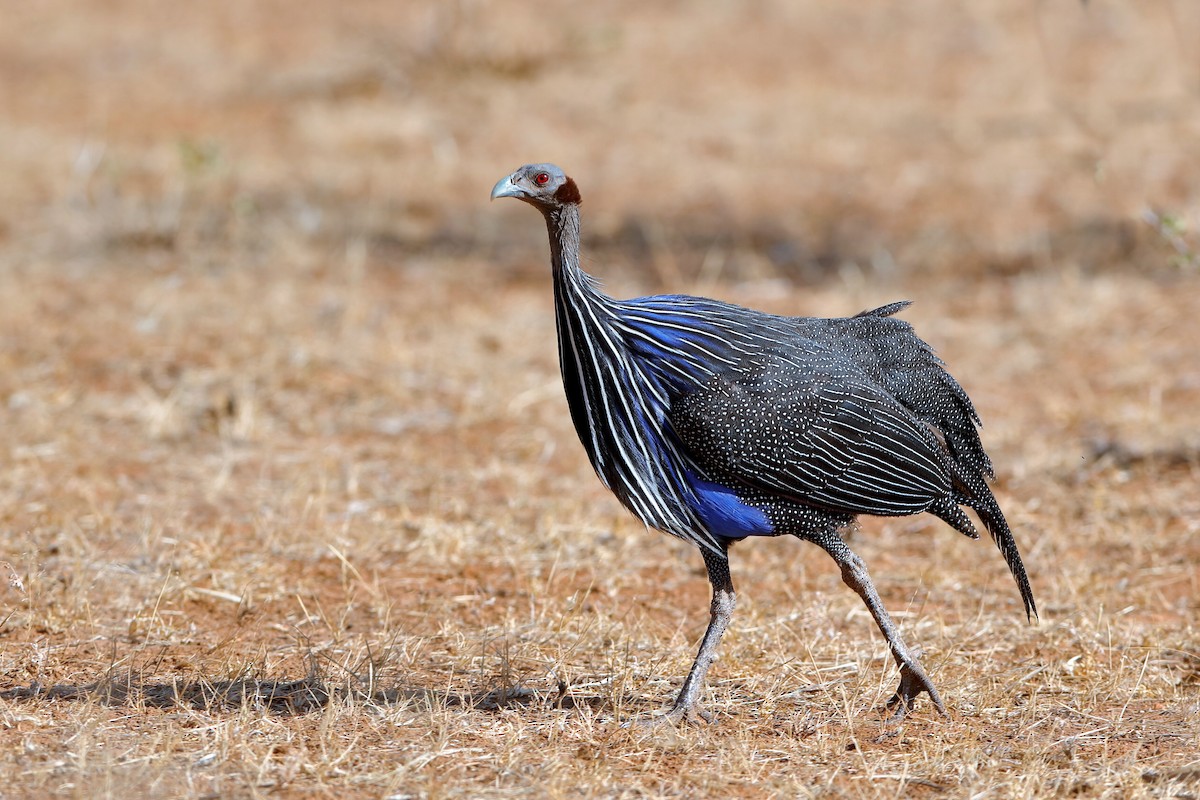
x,y
687,706
913,679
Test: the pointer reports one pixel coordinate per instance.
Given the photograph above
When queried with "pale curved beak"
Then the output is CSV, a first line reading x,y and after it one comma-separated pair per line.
x,y
506,188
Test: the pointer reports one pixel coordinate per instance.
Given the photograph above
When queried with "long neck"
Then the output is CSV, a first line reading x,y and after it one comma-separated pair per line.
x,y
581,317
562,225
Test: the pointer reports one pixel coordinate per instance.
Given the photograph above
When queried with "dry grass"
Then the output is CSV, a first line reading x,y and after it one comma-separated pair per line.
x,y
289,501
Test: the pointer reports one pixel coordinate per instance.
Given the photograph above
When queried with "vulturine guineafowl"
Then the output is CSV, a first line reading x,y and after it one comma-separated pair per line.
x,y
715,423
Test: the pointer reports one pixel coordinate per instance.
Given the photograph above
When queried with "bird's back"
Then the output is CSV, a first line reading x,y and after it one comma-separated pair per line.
x,y
685,340
735,380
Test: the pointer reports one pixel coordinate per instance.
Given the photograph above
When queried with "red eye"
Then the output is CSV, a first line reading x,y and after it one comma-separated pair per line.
x,y
542,178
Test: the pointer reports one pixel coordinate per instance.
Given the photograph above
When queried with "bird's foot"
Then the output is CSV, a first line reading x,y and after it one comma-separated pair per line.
x,y
913,681
693,714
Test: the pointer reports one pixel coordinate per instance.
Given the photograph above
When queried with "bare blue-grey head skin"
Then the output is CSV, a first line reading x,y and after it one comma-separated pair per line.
x,y
544,186
716,423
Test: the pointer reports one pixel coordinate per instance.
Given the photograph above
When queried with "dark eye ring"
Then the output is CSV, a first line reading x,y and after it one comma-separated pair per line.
x,y
542,178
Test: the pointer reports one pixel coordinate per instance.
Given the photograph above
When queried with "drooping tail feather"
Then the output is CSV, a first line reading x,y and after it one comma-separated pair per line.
x,y
997,526
988,509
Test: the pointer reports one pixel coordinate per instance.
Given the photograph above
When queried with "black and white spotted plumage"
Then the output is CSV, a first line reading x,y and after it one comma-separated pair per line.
x,y
714,423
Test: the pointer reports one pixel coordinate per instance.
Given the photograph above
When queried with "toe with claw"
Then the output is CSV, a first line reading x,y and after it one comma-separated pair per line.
x,y
913,681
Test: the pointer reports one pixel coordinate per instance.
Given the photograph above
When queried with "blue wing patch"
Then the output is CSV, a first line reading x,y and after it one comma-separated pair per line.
x,y
723,512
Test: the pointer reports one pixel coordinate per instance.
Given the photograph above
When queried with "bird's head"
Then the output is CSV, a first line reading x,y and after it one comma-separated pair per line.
x,y
542,185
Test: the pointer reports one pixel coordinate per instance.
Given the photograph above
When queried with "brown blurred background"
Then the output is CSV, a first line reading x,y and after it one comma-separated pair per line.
x,y
715,139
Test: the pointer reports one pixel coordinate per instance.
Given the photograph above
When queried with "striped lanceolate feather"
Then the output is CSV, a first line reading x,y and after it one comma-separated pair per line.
x,y
714,423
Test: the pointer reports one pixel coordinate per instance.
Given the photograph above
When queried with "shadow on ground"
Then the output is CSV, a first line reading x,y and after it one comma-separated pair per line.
x,y
301,696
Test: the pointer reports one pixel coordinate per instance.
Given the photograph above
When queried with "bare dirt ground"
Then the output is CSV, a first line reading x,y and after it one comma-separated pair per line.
x,y
290,505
